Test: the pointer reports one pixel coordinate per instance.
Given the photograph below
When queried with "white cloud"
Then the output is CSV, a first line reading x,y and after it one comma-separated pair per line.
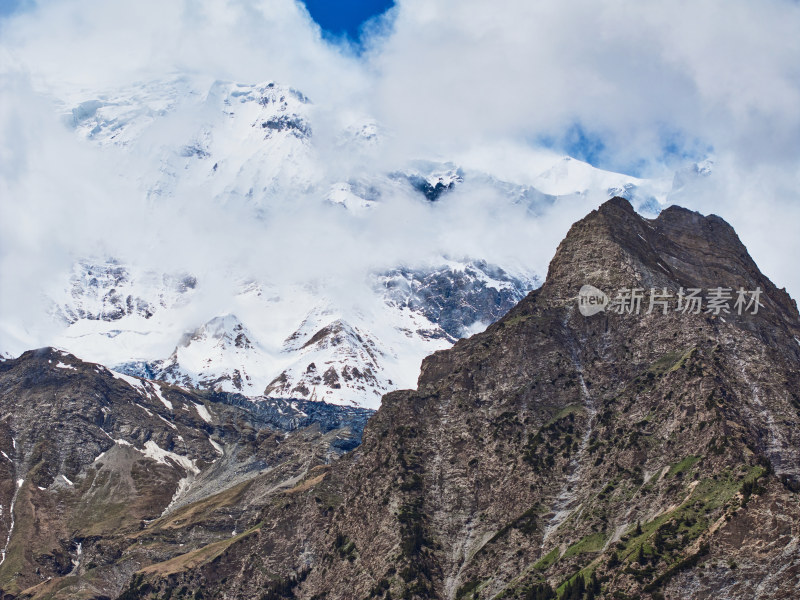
x,y
719,71
457,80
91,43
652,80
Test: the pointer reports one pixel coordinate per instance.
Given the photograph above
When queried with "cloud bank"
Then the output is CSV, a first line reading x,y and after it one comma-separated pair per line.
x,y
650,87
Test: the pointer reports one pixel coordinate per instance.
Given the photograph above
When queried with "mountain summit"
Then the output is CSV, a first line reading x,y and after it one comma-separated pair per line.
x,y
648,450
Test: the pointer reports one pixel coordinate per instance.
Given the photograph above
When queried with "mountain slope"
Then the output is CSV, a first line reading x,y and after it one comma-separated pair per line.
x,y
91,458
622,455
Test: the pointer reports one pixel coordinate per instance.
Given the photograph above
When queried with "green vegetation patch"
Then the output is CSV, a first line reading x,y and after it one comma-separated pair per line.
x,y
682,466
671,361
665,539
547,560
587,545
570,409
681,363
469,589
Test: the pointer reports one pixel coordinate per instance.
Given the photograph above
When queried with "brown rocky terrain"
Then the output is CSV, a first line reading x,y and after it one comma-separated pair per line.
x,y
103,474
554,455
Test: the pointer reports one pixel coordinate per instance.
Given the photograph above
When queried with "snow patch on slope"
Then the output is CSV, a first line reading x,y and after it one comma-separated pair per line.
x,y
155,452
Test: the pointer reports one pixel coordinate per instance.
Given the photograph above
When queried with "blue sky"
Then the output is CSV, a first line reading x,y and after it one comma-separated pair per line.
x,y
8,7
336,17
339,17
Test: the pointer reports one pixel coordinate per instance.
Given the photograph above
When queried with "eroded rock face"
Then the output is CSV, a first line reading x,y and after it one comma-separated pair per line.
x,y
655,455
96,465
555,444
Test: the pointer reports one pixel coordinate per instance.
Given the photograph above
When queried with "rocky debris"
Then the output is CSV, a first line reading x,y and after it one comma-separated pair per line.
x,y
290,414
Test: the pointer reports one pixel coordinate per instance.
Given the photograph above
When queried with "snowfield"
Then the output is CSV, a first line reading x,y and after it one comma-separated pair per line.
x,y
255,153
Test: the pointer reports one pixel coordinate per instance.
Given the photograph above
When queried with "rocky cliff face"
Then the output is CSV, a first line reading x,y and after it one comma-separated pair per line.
x,y
618,455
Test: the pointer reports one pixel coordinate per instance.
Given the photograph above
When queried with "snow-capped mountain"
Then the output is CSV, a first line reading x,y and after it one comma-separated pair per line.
x,y
295,345
236,141
221,354
211,146
108,292
350,364
257,143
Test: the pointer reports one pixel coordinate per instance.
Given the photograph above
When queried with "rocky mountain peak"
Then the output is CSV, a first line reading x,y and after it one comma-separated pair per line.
x,y
615,248
619,452
640,395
